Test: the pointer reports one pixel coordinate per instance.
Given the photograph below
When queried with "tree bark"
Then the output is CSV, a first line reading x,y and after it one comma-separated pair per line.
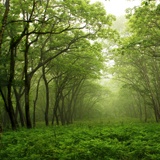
x,y
10,108
34,103
27,102
4,22
21,115
47,95
27,84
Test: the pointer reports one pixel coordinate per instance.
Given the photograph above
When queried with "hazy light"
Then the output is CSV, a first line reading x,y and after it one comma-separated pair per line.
x,y
118,7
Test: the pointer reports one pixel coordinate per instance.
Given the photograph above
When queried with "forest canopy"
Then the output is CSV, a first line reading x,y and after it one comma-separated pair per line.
x,y
137,59
49,51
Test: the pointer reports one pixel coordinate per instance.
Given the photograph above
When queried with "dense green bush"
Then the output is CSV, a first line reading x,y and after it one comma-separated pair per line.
x,y
85,141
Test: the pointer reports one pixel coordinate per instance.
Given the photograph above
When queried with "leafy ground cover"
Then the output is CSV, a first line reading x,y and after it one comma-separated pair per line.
x,y
83,142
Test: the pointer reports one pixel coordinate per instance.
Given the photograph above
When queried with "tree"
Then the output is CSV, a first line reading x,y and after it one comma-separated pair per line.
x,y
32,35
138,66
71,71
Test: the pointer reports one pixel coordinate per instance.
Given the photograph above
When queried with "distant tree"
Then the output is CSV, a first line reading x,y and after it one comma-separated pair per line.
x,y
138,62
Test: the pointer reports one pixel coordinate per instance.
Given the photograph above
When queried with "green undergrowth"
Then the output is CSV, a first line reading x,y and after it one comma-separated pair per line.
x,y
83,142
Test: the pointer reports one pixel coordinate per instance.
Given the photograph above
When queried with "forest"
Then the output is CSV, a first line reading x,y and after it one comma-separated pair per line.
x,y
77,82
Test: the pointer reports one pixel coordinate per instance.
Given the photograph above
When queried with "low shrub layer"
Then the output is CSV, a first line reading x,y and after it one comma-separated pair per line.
x,y
83,142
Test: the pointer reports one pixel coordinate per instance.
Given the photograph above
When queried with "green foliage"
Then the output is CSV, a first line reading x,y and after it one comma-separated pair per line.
x,y
62,37
137,57
83,141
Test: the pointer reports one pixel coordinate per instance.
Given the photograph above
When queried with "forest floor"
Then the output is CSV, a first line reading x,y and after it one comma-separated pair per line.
x,y
83,141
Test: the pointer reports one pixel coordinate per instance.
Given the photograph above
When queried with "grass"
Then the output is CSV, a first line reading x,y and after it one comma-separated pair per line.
x,y
83,141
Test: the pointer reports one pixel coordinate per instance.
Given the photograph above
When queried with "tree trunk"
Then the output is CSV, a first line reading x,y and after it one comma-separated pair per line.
x,y
34,103
4,22
62,111
10,108
21,115
27,84
55,115
47,95
27,104
155,110
145,113
56,104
